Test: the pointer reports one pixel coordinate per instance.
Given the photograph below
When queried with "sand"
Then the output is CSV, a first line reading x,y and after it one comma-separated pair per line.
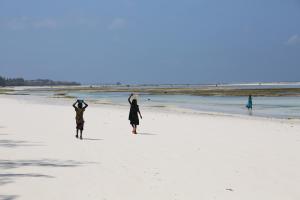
x,y
175,156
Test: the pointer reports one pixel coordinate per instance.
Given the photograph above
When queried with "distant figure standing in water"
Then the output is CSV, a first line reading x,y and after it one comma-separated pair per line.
x,y
133,114
249,104
79,116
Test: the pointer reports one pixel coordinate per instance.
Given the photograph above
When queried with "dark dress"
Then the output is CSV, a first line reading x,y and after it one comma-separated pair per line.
x,y
133,114
79,118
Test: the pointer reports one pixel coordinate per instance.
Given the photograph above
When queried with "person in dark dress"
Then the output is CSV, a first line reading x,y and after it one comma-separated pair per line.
x,y
133,114
79,116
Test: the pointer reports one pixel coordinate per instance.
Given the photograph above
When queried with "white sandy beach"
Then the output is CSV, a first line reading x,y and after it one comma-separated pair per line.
x,y
176,156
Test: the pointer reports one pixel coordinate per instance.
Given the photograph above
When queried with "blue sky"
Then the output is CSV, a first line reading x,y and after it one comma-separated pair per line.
x,y
157,41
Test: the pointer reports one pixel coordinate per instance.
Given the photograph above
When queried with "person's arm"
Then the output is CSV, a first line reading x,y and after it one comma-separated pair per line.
x,y
129,98
140,114
85,105
74,104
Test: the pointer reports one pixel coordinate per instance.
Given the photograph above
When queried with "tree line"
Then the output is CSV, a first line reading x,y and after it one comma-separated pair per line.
x,y
37,82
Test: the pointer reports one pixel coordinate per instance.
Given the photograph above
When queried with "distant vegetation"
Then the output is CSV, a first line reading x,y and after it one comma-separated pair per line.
x,y
38,82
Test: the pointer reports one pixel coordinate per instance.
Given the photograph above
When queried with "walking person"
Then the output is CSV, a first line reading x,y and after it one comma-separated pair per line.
x,y
249,104
79,116
133,114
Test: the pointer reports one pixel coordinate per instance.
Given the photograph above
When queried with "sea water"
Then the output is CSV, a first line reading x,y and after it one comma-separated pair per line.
x,y
277,107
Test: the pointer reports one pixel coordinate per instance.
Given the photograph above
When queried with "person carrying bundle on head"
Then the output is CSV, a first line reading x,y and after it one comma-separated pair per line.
x,y
79,116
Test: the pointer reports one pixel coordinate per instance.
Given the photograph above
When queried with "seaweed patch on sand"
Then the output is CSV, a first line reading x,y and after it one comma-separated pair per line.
x,y
197,91
5,91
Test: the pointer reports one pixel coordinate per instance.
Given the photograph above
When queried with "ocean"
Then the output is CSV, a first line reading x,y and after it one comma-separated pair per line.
x,y
276,107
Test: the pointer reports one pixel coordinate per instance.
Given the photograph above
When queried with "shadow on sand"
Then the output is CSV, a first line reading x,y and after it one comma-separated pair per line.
x,y
94,139
16,143
8,178
2,134
8,197
11,164
146,134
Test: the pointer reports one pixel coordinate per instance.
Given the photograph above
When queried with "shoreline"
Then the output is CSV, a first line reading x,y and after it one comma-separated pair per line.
x,y
61,101
272,106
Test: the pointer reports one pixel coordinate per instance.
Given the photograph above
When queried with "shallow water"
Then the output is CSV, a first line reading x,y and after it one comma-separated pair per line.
x,y
277,107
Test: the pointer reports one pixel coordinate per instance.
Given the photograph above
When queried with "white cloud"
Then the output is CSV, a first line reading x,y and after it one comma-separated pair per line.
x,y
117,24
21,23
293,40
91,22
46,23
18,23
